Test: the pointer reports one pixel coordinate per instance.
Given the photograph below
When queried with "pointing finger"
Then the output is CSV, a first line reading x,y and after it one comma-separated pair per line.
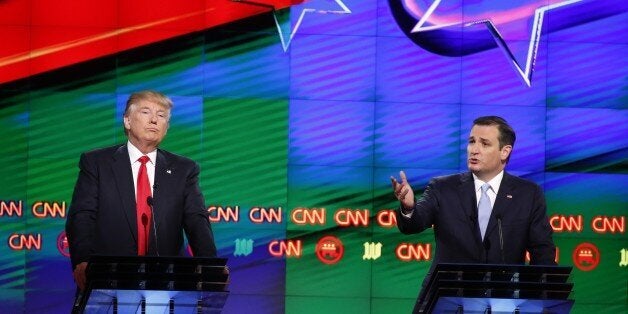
x,y
404,180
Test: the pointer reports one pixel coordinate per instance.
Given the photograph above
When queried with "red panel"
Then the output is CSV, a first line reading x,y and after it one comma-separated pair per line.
x,y
15,12
99,13
162,14
68,45
142,37
64,32
14,60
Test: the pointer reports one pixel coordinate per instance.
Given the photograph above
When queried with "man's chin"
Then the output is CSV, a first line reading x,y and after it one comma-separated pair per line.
x,y
475,169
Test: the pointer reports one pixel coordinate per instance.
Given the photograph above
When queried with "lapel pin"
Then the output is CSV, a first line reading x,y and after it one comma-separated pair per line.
x,y
508,196
170,171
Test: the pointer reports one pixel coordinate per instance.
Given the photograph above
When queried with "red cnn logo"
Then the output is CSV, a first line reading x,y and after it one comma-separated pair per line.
x,y
386,218
308,216
604,224
11,208
19,242
261,215
226,214
47,209
287,248
347,217
569,223
413,252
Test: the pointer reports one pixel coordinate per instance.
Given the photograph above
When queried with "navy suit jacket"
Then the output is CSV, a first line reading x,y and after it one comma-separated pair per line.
x,y
102,216
449,203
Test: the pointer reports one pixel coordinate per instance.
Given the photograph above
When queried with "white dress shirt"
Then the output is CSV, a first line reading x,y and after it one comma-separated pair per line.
x,y
492,191
134,155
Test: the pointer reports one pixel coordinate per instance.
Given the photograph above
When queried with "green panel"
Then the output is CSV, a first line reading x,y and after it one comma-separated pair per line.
x,y
392,306
394,278
65,124
244,152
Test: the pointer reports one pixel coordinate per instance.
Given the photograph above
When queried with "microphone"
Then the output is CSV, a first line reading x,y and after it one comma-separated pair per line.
x,y
501,237
145,224
149,201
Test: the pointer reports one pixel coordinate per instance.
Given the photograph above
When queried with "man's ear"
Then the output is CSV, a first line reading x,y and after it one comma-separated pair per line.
x,y
505,152
127,122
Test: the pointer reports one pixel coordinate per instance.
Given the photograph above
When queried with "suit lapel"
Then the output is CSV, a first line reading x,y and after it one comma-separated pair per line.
x,y
163,177
466,192
121,168
502,202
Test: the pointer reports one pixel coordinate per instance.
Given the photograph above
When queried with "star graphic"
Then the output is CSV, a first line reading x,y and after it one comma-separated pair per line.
x,y
309,7
524,72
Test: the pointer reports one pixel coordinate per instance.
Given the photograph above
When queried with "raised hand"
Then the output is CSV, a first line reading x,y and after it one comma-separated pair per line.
x,y
403,191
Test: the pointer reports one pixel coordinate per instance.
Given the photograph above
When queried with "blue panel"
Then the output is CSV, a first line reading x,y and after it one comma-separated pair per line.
x,y
331,133
420,136
580,139
332,67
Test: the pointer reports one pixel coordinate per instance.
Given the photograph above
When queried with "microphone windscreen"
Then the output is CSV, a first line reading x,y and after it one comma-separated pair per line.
x,y
144,220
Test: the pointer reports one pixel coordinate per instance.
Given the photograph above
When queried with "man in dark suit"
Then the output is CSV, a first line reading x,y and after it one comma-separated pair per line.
x,y
467,210
136,199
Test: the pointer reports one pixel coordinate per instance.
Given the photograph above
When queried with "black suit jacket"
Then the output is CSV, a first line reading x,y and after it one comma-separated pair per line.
x,y
449,203
102,216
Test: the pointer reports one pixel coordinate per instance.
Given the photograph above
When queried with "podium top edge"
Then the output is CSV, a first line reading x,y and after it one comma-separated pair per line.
x,y
180,260
550,269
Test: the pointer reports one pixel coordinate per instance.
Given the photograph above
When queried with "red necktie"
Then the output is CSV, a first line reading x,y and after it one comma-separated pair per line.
x,y
143,209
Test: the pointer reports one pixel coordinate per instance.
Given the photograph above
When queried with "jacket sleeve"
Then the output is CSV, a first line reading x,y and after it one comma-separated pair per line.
x,y
540,244
196,219
81,220
424,213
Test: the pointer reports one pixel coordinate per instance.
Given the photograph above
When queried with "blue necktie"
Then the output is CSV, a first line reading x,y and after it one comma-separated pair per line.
x,y
484,209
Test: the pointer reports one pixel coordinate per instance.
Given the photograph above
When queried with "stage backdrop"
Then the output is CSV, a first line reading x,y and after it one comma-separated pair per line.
x,y
299,116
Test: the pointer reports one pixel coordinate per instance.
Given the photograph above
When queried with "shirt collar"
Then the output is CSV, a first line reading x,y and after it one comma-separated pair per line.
x,y
135,154
494,183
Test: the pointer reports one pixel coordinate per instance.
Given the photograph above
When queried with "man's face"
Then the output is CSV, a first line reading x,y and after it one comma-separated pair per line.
x,y
484,157
147,123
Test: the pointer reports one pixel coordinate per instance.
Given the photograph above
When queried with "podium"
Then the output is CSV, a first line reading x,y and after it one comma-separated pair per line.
x,y
487,288
150,284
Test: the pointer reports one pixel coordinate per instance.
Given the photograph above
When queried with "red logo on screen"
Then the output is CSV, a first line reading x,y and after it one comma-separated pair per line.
x,y
329,250
62,244
586,256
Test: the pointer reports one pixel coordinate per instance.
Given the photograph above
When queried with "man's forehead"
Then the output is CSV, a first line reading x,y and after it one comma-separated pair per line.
x,y
484,131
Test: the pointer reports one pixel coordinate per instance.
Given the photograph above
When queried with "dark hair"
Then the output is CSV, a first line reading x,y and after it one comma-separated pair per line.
x,y
506,133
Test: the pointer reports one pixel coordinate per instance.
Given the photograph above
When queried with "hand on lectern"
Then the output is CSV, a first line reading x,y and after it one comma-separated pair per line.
x,y
403,191
79,275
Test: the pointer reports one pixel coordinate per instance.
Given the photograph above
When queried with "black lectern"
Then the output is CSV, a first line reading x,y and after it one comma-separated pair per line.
x,y
149,284
483,288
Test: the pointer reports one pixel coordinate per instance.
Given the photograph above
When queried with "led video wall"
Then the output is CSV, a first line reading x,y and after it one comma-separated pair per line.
x,y
299,116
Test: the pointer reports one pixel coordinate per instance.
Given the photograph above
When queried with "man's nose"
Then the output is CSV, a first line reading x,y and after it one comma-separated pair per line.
x,y
473,148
